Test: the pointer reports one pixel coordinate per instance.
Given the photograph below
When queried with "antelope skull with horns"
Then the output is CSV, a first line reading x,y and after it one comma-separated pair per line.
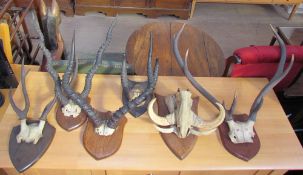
x,y
102,125
132,89
69,108
29,133
242,132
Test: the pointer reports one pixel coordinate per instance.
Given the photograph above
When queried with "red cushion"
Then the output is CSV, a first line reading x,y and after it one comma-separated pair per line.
x,y
267,54
266,70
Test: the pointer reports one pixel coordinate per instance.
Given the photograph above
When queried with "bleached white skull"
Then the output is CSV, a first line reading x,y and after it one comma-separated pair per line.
x,y
241,132
30,133
71,109
104,130
182,120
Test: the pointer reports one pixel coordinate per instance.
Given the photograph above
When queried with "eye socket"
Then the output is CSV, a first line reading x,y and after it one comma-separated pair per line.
x,y
235,137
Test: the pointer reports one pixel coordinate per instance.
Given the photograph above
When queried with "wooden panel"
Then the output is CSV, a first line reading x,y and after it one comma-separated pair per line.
x,y
286,1
142,173
205,56
142,147
252,172
131,3
95,2
181,4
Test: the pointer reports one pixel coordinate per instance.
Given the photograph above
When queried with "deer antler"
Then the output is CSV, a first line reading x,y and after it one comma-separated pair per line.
x,y
279,75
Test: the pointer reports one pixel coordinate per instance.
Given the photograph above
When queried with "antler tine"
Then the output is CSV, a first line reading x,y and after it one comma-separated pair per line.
x,y
113,122
231,111
156,72
98,60
47,109
49,67
206,94
176,47
92,114
149,60
21,113
279,75
124,79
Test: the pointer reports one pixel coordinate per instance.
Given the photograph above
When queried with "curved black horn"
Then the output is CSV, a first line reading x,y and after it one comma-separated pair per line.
x,y
149,60
113,122
84,105
124,79
58,89
21,113
98,60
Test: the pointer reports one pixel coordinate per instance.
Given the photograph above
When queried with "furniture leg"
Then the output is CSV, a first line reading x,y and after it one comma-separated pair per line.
x,y
193,6
272,41
293,11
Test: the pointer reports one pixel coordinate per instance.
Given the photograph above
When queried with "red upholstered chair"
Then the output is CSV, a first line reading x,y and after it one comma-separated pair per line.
x,y
262,61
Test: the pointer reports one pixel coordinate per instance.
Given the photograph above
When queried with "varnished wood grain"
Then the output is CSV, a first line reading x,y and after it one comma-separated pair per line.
x,y
181,147
142,147
149,8
205,56
69,123
99,146
244,151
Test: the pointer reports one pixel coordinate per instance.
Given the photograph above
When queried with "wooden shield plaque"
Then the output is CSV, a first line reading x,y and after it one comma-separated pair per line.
x,y
24,155
244,151
181,147
99,146
70,123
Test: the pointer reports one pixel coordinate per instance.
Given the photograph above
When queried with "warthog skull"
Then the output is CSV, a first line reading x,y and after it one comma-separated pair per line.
x,y
182,120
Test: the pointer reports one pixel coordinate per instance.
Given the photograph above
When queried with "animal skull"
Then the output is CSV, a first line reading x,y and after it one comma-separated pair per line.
x,y
135,92
30,133
241,132
182,120
104,130
71,109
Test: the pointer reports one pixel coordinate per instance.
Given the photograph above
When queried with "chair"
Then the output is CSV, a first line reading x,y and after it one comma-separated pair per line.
x,y
262,61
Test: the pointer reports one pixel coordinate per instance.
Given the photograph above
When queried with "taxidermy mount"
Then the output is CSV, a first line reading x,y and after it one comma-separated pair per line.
x,y
69,115
104,130
132,89
29,140
237,132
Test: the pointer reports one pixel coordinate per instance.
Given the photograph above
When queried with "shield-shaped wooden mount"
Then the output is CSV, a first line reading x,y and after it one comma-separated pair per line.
x,y
181,147
99,146
70,123
141,109
244,151
24,155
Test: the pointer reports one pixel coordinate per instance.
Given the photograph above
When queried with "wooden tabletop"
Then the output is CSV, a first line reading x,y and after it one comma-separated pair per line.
x,y
142,147
205,55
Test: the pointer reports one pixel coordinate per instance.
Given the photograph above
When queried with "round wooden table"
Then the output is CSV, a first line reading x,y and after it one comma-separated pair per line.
x,y
205,56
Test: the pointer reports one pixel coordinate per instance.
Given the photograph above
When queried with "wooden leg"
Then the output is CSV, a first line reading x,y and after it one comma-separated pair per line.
x,y
272,41
293,11
193,6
